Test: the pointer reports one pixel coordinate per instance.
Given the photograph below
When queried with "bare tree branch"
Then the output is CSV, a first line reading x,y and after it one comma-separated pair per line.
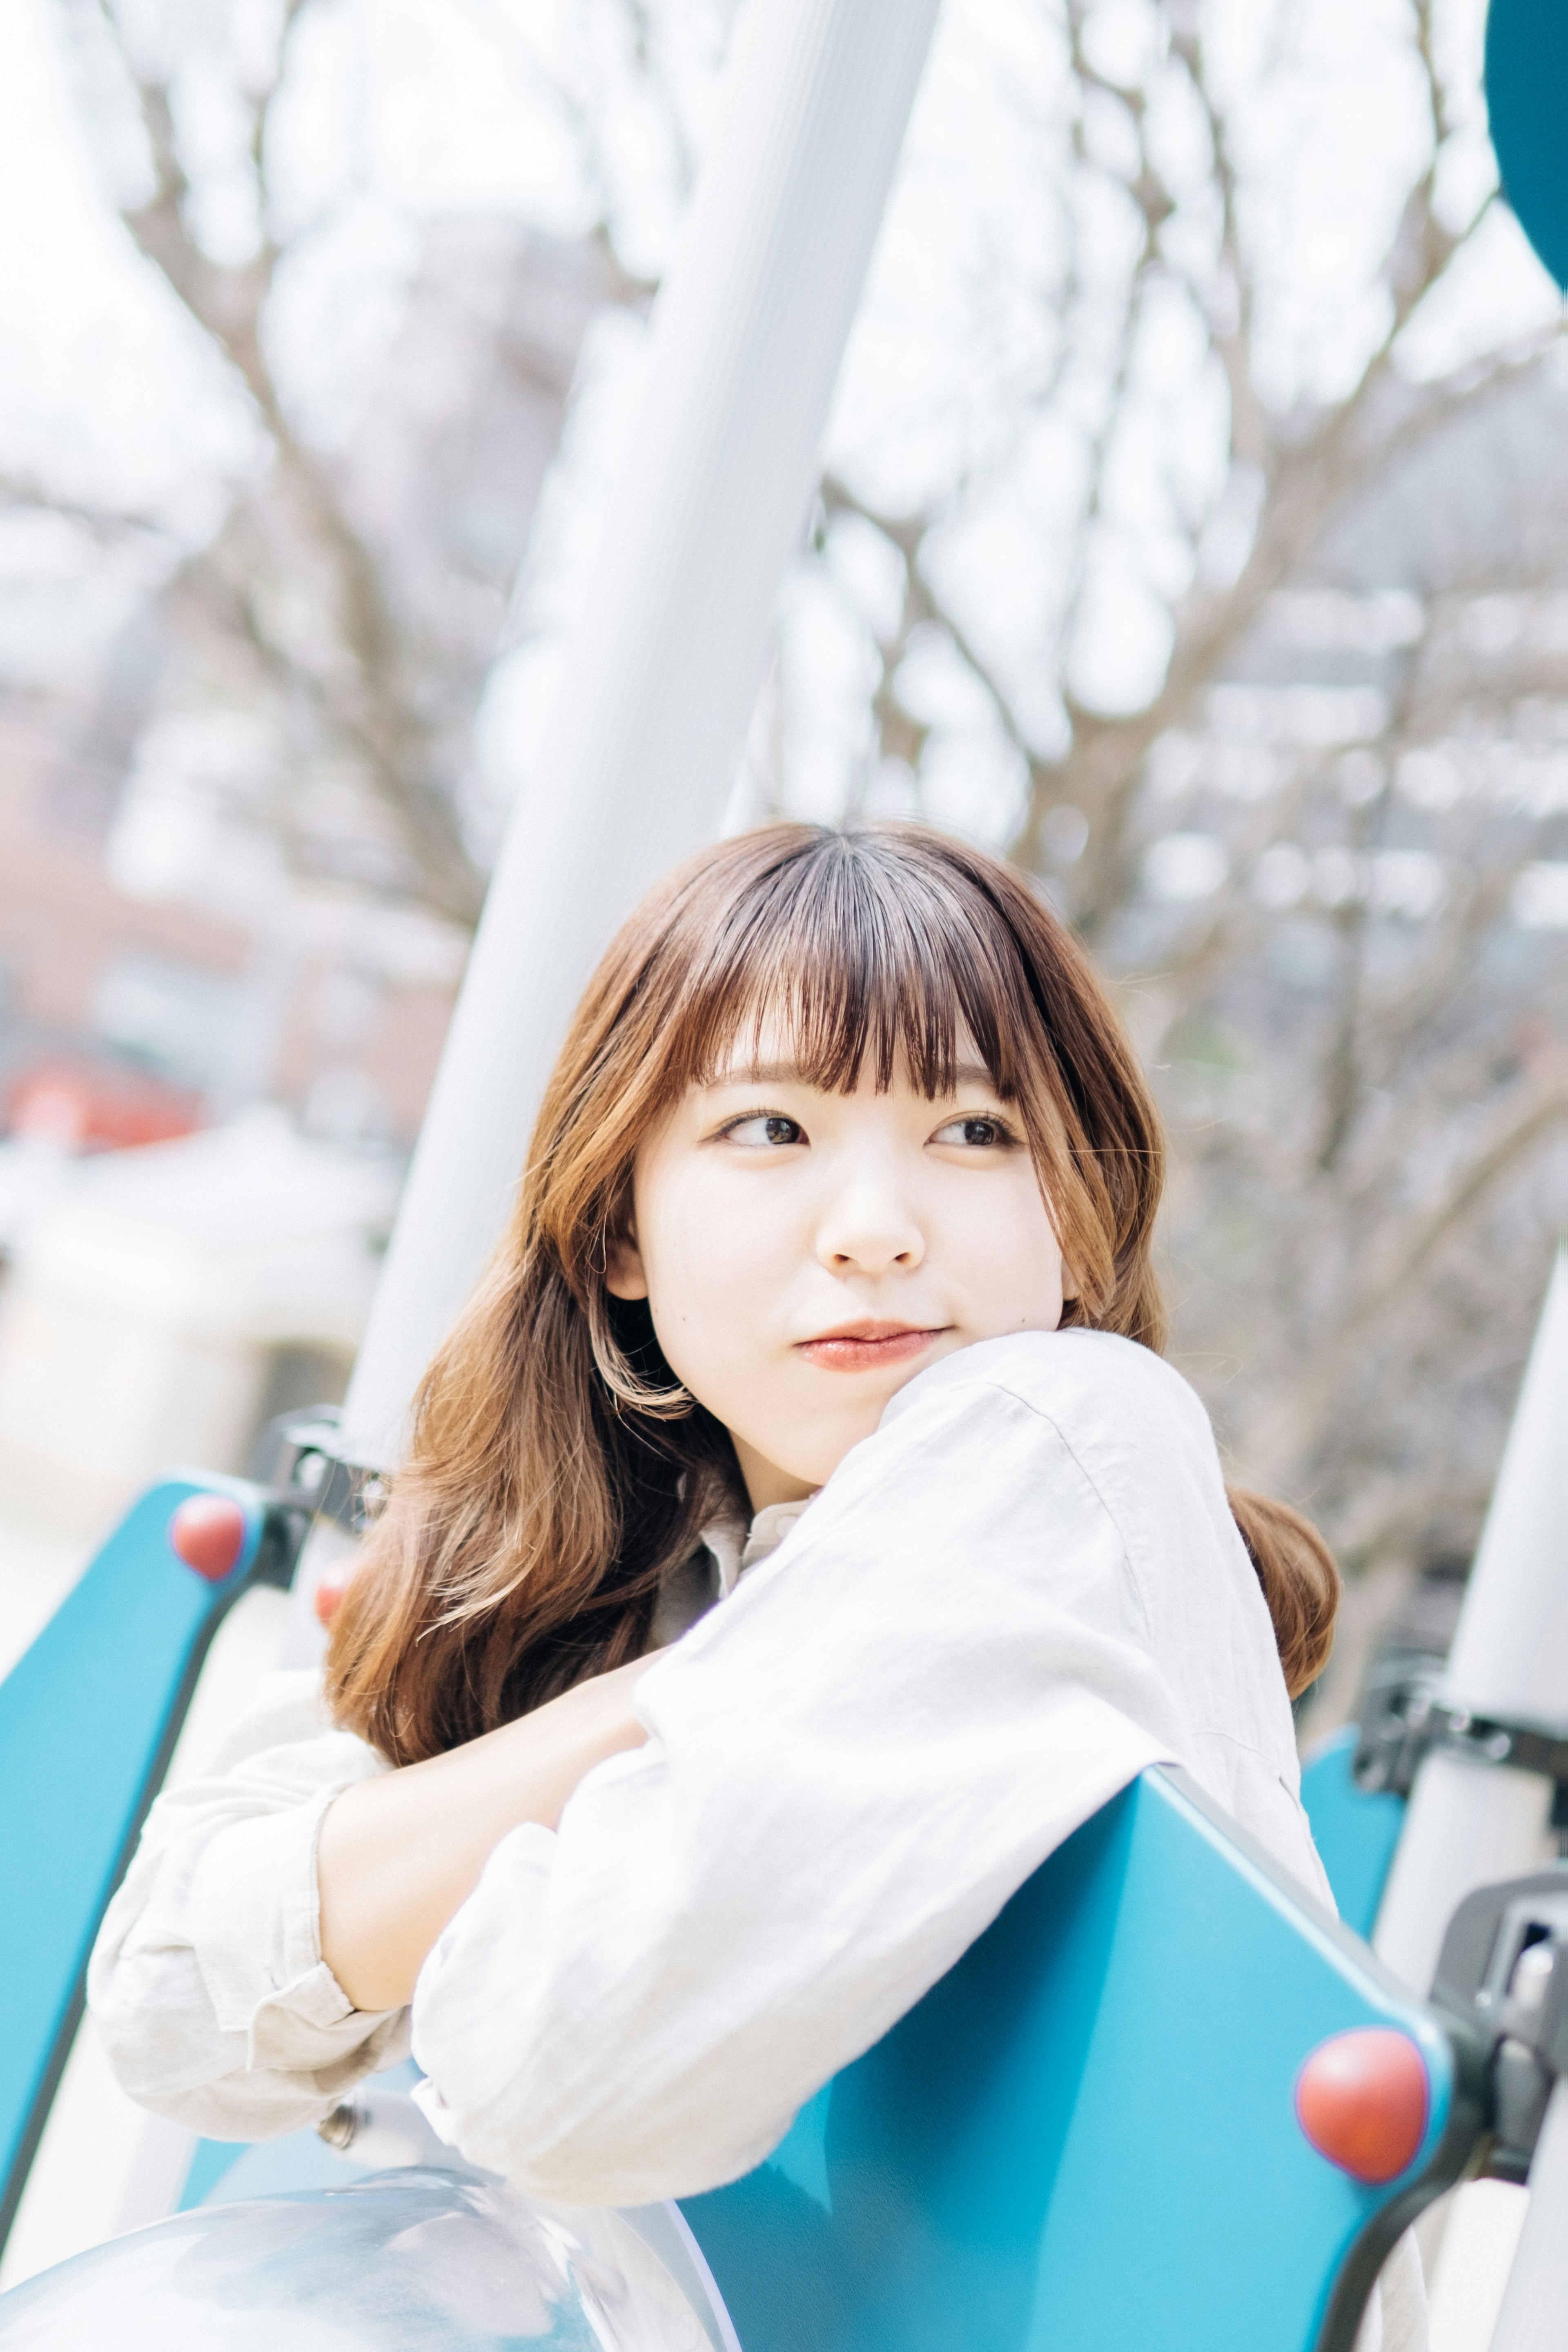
x,y
1298,1411
374,703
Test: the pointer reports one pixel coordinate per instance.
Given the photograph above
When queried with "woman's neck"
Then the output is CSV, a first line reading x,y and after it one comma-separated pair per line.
x,y
765,1481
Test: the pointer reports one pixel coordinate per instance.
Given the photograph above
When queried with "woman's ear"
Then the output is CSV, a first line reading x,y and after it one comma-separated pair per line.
x,y
624,1276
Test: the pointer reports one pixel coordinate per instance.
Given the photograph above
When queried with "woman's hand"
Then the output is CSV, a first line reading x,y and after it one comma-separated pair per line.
x,y
399,1855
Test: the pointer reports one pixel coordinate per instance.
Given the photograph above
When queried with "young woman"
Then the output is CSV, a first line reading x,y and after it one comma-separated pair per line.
x,y
800,1536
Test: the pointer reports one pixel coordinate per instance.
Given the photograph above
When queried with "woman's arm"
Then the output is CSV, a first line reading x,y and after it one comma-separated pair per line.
x,y
208,1983
851,1764
398,1856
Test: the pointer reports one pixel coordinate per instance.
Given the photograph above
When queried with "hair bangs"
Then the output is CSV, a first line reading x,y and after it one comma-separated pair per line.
x,y
842,960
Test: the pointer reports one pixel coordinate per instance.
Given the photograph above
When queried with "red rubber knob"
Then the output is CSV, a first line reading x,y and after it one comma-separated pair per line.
x,y
1362,2099
331,1588
208,1534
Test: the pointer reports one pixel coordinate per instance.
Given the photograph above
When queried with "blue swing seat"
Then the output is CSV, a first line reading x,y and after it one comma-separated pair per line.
x,y
1083,2139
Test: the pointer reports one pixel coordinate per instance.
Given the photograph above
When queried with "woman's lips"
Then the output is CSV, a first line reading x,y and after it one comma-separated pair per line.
x,y
864,1349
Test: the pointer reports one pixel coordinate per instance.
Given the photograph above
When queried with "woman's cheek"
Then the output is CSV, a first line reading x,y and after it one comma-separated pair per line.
x,y
703,1292
1021,1276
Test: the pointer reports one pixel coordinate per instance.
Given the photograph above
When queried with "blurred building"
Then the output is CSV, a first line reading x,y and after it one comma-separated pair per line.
x,y
194,884
210,931
1400,710
1367,822
164,1304
340,1019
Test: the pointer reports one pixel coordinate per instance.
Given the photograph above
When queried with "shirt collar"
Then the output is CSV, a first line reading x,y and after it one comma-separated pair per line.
x,y
736,1547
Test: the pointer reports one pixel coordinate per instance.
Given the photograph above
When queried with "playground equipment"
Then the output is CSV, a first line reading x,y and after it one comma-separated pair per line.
x,y
1526,75
1480,1750
1162,2101
1161,2063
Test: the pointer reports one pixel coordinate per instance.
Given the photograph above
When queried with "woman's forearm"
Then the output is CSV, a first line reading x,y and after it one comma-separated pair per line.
x,y
401,1853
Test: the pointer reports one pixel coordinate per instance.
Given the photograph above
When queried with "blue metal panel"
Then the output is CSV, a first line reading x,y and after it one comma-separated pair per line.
x,y
1084,2137
1527,103
223,2170
1355,1833
87,1718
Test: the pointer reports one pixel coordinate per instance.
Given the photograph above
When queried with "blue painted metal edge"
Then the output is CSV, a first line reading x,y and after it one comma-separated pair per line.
x,y
268,1558
1354,1830
1526,77
1455,2065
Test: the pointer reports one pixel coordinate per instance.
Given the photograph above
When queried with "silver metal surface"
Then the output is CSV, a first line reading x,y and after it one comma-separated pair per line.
x,y
413,2260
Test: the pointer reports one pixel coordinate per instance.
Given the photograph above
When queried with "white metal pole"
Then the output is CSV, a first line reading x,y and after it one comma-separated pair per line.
x,y
1534,2314
1470,1824
713,488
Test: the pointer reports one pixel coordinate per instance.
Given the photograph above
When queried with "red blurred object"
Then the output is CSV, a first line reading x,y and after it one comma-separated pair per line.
x,y
1362,2098
208,1533
330,1590
94,1106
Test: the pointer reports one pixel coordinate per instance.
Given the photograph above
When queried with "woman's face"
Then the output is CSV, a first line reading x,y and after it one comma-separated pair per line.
x,y
805,1254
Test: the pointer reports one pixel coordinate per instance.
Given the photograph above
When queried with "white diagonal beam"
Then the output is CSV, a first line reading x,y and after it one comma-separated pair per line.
x,y
713,490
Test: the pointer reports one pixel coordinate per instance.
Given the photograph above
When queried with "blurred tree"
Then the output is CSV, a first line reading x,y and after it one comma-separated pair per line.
x,y
327,645
1242,619
1190,527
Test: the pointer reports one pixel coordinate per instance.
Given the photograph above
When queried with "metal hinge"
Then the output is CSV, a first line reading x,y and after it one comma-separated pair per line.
x,y
1504,1968
1407,1715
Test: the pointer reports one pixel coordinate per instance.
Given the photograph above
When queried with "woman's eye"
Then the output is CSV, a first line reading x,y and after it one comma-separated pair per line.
x,y
976,1130
767,1130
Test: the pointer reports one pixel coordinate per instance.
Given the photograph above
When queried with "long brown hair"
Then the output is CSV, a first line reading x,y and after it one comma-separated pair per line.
x,y
556,1474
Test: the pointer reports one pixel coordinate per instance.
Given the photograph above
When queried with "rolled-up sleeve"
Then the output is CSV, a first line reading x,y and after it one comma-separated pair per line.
x,y
208,1983
851,1765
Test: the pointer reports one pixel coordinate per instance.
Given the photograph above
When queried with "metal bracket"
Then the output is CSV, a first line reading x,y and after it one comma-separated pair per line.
x,y
1504,1968
1407,1715
313,1476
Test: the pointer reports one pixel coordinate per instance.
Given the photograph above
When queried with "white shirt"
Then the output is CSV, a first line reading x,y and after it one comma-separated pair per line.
x,y
1023,1589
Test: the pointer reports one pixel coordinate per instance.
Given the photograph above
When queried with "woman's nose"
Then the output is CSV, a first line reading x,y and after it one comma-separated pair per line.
x,y
869,1227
